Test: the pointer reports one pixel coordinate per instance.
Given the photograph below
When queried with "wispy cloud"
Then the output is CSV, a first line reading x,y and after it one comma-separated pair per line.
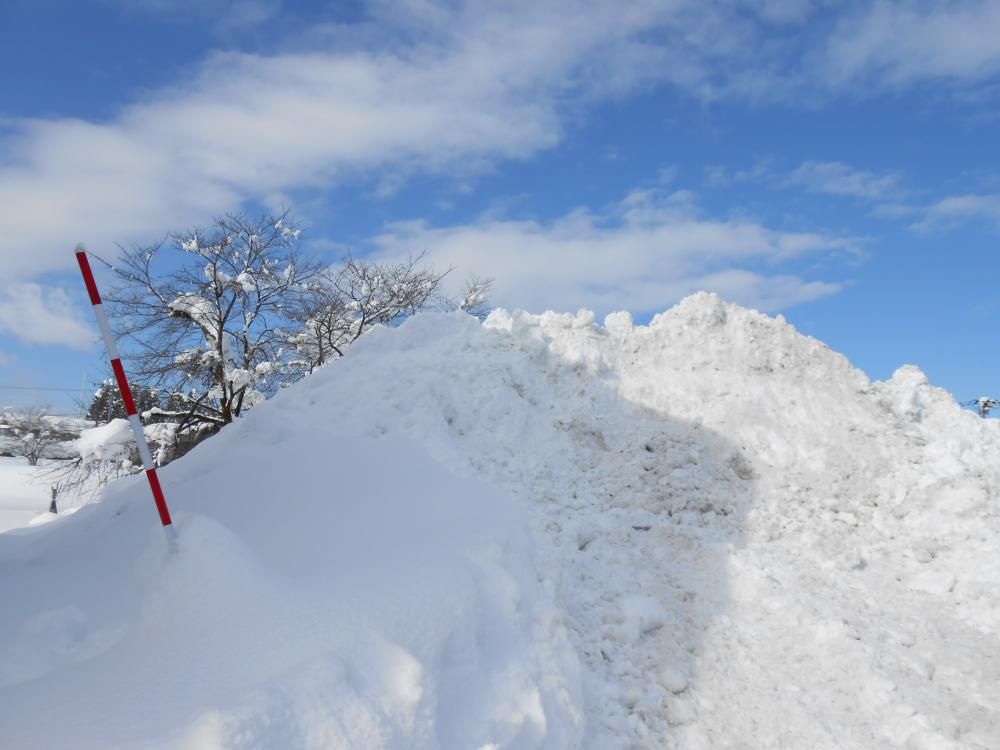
x,y
900,43
835,178
718,176
960,209
667,175
642,254
838,178
42,315
887,193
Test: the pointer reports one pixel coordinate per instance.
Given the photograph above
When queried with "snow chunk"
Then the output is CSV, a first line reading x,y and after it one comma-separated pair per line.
x,y
642,615
499,319
619,324
109,442
699,309
910,393
193,306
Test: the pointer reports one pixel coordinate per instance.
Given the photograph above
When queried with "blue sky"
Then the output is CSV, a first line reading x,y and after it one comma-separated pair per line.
x,y
833,161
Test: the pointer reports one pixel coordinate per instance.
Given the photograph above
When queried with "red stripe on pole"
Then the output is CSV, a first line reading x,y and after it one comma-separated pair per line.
x,y
88,277
161,501
126,393
116,365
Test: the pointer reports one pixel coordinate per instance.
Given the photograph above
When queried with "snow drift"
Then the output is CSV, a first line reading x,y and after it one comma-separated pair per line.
x,y
706,532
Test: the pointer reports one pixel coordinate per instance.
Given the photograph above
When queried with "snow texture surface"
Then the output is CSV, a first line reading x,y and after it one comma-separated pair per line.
x,y
23,493
707,532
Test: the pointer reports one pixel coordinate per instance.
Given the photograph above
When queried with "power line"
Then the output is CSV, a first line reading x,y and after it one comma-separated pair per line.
x,y
983,405
36,388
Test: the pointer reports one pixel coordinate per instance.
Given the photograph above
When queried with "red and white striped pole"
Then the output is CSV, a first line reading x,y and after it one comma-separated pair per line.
x,y
133,416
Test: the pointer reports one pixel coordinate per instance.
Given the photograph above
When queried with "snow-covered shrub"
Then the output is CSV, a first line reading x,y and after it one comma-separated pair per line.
x,y
32,434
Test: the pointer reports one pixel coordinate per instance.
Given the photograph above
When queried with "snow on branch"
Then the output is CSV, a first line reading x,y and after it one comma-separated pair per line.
x,y
984,405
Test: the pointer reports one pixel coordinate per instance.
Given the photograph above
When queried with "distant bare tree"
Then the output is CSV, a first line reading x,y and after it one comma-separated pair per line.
x,y
345,302
100,455
32,431
475,297
83,477
985,405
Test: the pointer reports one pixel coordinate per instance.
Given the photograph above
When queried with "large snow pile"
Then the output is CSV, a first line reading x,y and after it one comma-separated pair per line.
x,y
708,532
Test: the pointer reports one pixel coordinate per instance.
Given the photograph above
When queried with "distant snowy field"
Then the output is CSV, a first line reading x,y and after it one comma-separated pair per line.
x,y
23,493
541,532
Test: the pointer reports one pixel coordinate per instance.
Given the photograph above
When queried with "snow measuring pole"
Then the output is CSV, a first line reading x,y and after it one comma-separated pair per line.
x,y
123,387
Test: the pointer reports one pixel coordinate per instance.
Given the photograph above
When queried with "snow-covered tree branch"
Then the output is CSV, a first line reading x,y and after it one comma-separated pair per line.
x,y
344,302
985,405
212,321
202,314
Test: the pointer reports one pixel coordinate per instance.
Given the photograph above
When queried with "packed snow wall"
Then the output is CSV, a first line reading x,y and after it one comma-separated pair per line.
x,y
753,543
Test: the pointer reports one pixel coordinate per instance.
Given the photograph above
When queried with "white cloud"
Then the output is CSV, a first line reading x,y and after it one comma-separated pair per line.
x,y
423,87
4,358
481,82
43,315
823,177
837,178
901,43
958,209
717,176
642,254
760,291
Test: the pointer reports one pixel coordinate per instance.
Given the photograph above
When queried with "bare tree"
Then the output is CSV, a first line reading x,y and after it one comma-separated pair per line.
x,y
31,431
213,321
985,404
475,297
202,314
345,302
83,475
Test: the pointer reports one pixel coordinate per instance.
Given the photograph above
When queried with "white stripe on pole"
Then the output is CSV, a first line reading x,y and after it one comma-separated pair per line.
x,y
126,392
140,440
109,339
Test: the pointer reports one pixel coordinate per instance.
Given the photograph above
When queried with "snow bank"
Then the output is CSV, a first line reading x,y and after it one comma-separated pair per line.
x,y
329,592
107,442
706,532
24,494
753,544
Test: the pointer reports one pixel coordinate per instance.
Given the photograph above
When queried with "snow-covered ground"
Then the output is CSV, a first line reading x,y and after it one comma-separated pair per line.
x,y
708,532
24,489
23,493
